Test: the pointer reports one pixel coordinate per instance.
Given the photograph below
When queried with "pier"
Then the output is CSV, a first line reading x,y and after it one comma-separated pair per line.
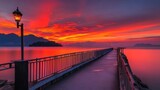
x,y
99,75
104,69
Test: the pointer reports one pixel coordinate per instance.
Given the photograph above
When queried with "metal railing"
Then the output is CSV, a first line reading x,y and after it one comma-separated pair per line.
x,y
6,66
42,68
128,81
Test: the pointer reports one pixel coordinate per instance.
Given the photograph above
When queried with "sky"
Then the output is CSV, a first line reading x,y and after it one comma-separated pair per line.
x,y
85,21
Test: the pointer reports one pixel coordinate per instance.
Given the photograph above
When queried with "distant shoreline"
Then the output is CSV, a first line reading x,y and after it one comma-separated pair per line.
x,y
142,47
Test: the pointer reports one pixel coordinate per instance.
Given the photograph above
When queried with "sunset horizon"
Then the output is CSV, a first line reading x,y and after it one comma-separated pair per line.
x,y
79,21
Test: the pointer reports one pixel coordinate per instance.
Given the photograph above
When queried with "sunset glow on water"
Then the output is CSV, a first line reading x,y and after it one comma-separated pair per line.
x,y
145,63
10,54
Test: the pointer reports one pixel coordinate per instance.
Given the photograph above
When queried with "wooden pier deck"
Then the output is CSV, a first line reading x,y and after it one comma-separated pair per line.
x,y
99,75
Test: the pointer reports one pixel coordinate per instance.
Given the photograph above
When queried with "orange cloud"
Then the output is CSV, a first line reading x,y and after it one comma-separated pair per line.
x,y
6,23
71,37
68,32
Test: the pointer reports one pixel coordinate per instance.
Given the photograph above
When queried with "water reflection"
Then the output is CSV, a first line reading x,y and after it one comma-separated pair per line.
x,y
145,63
9,54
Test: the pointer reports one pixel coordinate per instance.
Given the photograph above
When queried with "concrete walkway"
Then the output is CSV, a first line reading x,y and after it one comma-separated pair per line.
x,y
99,75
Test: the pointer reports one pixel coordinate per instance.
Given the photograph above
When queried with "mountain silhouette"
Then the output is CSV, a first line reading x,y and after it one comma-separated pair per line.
x,y
45,44
146,45
14,40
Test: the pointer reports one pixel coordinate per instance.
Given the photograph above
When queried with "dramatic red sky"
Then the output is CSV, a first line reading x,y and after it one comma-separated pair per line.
x,y
74,21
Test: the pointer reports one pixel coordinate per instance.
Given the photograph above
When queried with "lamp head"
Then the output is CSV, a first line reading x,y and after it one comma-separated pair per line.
x,y
17,15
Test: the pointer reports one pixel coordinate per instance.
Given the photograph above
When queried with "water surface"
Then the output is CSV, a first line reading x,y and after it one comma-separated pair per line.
x,y
10,54
145,63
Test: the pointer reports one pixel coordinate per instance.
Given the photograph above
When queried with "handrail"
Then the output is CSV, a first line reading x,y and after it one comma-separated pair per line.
x,y
62,55
6,66
42,68
128,81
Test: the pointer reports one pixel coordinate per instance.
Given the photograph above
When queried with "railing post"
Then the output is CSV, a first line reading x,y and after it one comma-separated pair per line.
x,y
21,75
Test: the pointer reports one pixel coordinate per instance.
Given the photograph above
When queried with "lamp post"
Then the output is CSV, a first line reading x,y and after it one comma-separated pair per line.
x,y
17,16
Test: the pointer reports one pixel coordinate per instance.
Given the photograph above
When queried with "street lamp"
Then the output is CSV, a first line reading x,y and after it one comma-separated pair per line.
x,y
17,16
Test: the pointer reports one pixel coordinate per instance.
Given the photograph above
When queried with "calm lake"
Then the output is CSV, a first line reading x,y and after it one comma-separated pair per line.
x,y
145,63
10,54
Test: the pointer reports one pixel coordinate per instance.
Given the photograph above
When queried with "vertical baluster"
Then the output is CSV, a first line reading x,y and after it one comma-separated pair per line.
x,y
36,70
52,66
47,69
33,71
43,68
62,62
30,71
39,69
55,65
49,66
53,62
